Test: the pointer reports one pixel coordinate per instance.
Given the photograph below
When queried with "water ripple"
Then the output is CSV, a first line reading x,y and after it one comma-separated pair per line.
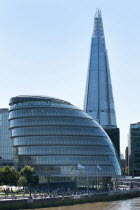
x,y
131,204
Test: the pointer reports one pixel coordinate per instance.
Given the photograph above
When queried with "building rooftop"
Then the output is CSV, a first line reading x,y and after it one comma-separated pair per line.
x,y
23,98
3,110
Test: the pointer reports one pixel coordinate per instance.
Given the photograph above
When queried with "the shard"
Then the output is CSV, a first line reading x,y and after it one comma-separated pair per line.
x,y
99,103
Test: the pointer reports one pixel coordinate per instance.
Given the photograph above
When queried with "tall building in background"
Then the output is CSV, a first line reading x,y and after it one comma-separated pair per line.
x,y
126,156
7,152
99,102
134,149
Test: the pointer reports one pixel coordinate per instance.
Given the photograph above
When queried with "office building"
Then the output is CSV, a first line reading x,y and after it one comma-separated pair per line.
x,y
134,149
126,156
99,102
114,134
7,152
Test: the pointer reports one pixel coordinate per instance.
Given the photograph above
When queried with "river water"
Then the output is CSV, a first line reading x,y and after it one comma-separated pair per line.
x,y
131,204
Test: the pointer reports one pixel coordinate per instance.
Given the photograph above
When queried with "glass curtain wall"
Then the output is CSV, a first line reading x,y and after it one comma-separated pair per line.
x,y
54,136
6,150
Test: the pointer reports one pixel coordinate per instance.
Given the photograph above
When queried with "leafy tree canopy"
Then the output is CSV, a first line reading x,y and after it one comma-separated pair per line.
x,y
22,181
9,176
28,172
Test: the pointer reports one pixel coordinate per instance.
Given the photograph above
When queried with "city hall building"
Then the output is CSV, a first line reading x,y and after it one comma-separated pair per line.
x,y
54,137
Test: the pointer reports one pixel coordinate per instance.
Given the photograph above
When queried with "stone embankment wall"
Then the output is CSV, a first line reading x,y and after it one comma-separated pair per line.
x,y
69,200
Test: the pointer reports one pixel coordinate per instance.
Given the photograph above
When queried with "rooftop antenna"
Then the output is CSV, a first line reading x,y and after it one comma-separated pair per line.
x,y
97,13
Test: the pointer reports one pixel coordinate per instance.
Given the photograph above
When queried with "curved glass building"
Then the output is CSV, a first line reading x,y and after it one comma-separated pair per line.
x,y
54,137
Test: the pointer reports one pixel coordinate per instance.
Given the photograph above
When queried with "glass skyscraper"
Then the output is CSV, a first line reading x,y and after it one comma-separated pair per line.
x,y
99,102
54,137
7,152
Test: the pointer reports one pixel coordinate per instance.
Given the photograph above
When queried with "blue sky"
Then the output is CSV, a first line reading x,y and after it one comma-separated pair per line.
x,y
45,45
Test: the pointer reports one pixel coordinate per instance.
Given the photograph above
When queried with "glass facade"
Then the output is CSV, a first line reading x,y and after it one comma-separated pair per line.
x,y
54,137
134,150
114,135
99,102
6,149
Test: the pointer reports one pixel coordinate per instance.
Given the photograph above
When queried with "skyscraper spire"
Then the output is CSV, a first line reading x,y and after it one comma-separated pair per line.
x,y
99,101
98,25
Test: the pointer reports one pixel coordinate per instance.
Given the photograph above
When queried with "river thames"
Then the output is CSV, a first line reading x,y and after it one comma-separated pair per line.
x,y
130,204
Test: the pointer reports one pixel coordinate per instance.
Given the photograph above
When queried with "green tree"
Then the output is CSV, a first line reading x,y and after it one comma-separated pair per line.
x,y
22,182
125,170
29,173
9,176
1,176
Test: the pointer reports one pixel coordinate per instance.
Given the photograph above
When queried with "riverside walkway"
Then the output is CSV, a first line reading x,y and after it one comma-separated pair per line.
x,y
55,198
52,200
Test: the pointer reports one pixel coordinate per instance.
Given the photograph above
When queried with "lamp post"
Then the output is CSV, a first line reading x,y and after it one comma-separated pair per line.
x,y
97,179
87,180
